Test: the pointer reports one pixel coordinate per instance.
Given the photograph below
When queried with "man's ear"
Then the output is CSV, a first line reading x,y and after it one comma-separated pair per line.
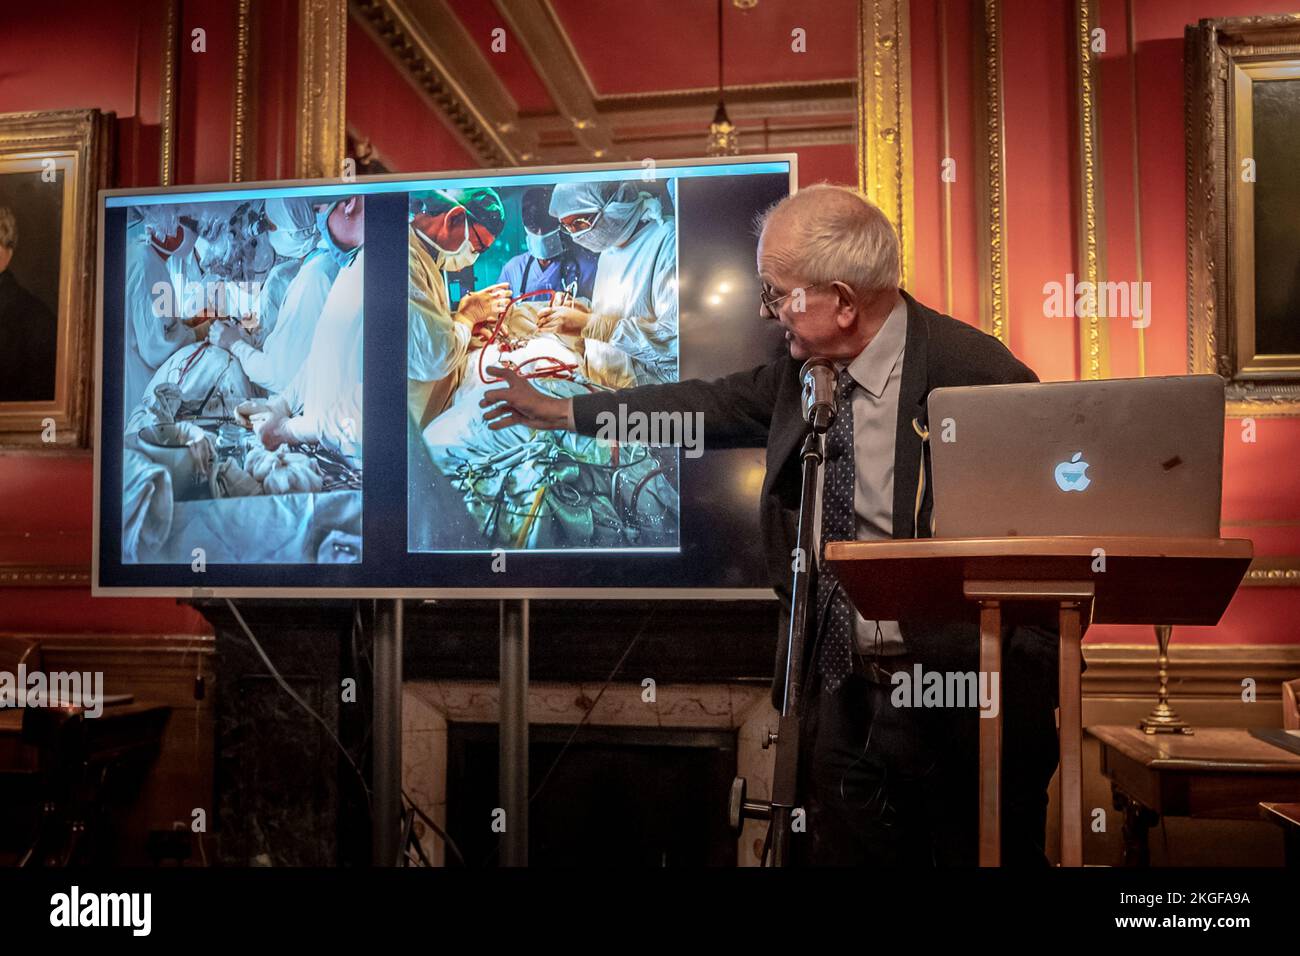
x,y
846,309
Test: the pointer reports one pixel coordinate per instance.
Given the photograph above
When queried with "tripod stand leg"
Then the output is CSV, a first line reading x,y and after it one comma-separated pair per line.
x,y
514,731
387,731
990,730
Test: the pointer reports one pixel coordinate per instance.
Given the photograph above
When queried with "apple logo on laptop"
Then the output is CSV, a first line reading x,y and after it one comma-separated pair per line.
x,y
1072,475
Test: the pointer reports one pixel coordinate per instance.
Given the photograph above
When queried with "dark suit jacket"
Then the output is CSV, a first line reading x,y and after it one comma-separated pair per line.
x,y
762,408
28,334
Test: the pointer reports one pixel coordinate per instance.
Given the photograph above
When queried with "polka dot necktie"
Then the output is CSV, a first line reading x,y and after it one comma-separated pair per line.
x,y
838,524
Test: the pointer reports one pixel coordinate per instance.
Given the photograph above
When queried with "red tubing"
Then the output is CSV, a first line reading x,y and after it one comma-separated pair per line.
x,y
194,356
496,329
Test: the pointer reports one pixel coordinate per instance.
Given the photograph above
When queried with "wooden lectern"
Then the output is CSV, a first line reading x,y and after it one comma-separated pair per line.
x,y
1144,581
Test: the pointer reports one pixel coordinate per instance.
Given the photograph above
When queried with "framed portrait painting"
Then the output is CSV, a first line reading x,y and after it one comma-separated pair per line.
x,y
1243,208
52,166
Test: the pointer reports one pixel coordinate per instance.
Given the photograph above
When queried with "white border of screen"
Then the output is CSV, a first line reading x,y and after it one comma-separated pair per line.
x,y
401,182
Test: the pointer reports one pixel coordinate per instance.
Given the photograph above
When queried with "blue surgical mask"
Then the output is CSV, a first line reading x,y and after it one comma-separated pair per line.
x,y
343,257
544,246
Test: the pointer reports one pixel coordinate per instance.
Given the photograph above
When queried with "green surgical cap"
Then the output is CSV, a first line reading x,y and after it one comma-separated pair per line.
x,y
481,202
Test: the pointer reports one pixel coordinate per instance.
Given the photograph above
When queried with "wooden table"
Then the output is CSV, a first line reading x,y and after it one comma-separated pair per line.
x,y
70,763
1218,772
1139,580
1287,816
118,728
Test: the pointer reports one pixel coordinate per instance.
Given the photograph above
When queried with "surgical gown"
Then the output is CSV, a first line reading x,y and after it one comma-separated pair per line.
x,y
436,345
634,303
150,339
293,330
326,392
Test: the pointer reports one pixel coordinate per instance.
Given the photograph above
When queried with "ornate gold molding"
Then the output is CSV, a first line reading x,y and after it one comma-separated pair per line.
x,y
167,94
1094,337
688,144
80,146
786,97
945,106
1135,153
885,119
322,81
990,136
430,45
45,576
1274,572
243,131
1212,52
388,23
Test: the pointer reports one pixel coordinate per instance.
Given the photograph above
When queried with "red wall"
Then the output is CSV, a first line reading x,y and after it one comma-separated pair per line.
x,y
1261,494
79,54
384,107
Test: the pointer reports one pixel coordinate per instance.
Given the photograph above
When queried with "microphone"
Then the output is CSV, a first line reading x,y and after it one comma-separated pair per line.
x,y
819,407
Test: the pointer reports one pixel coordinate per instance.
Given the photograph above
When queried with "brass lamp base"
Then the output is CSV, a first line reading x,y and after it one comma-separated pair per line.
x,y
1163,720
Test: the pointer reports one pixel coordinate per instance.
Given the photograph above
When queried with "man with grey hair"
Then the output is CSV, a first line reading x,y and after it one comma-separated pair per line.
x,y
28,329
885,784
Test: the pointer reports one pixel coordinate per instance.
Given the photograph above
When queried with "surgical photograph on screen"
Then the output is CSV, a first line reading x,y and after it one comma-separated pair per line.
x,y
242,382
574,286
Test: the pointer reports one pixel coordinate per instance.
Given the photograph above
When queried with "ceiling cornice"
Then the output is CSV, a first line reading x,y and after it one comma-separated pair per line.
x,y
443,63
537,29
431,46
753,140
824,101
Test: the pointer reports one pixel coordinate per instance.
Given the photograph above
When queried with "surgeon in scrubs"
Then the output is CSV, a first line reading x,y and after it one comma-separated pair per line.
x,y
552,261
292,298
154,323
323,401
634,302
449,229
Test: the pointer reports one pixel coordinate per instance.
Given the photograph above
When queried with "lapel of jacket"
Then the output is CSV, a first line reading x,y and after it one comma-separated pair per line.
x,y
912,391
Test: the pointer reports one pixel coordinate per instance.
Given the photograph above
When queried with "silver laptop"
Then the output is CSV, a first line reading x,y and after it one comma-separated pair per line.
x,y
1128,456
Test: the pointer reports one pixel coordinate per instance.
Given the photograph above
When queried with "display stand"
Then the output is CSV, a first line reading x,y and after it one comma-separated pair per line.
x,y
513,728
1080,580
386,774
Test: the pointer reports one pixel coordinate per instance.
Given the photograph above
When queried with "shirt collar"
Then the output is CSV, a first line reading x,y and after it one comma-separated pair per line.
x,y
873,365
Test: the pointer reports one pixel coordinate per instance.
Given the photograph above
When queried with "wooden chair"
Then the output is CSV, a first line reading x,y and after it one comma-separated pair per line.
x,y
1291,704
19,650
20,776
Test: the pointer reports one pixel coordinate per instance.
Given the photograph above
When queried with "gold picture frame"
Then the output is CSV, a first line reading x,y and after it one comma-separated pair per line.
x,y
68,151
1225,60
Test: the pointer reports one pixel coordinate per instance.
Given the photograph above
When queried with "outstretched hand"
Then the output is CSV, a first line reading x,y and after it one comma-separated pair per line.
x,y
516,402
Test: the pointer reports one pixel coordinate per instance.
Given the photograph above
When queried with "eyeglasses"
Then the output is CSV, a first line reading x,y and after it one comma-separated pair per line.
x,y
579,223
772,301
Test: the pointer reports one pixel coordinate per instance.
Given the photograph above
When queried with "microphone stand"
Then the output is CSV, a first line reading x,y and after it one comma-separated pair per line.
x,y
785,778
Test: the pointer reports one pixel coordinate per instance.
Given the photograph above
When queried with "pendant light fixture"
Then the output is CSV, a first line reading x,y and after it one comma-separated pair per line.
x,y
724,137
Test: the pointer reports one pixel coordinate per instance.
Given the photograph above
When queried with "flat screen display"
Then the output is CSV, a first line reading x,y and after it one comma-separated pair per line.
x,y
290,378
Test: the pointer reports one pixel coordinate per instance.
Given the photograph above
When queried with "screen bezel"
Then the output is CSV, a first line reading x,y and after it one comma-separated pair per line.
x,y
343,186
